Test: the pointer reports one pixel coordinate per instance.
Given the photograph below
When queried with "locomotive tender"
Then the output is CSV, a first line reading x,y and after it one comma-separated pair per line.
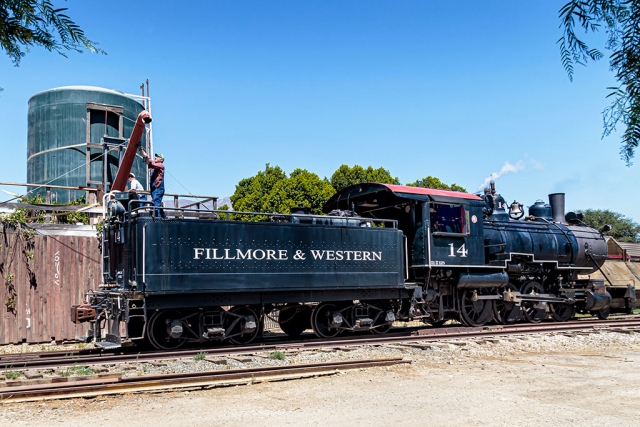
x,y
384,253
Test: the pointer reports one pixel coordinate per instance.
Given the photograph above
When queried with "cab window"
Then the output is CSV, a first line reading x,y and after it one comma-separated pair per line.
x,y
446,218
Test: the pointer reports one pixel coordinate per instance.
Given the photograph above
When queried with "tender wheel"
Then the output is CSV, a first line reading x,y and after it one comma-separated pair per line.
x,y
604,313
474,313
562,312
326,320
506,313
166,330
241,325
534,312
294,319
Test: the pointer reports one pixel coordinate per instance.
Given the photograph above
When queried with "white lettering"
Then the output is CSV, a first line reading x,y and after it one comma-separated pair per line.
x,y
56,260
246,255
283,254
215,255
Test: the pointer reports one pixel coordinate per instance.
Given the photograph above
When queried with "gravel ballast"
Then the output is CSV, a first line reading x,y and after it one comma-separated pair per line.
x,y
561,379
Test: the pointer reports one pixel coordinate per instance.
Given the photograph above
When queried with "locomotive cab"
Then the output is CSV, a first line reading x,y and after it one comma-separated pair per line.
x,y
442,228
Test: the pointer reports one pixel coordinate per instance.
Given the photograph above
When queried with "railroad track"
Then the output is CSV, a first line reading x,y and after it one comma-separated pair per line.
x,y
116,384
53,360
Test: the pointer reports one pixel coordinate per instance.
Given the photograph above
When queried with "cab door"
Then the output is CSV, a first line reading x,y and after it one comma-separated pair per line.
x,y
455,234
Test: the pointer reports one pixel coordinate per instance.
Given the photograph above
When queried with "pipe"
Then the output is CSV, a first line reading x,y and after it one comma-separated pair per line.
x,y
483,280
120,183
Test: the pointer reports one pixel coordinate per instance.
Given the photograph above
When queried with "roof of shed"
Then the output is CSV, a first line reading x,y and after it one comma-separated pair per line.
x,y
632,249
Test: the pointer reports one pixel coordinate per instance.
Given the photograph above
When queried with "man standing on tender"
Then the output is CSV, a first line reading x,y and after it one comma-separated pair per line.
x,y
157,180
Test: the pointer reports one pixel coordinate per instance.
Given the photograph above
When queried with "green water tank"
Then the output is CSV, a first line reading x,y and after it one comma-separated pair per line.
x,y
64,124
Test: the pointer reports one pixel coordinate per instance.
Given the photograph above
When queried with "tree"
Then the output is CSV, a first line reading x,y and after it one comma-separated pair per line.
x,y
433,182
28,23
621,21
221,215
302,188
623,229
272,190
251,192
345,176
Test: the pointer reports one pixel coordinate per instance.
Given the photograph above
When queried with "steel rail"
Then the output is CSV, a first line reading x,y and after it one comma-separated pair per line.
x,y
413,334
115,385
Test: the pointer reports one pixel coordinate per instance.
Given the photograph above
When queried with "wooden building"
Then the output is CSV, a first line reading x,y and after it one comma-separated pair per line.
x,y
44,270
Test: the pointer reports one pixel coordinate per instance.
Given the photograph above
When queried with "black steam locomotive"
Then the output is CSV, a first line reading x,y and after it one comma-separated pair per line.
x,y
383,253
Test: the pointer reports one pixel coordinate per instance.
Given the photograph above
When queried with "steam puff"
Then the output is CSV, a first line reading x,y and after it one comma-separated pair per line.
x,y
506,168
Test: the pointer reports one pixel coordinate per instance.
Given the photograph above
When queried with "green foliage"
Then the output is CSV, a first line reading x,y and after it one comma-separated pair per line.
x,y
77,370
620,20
12,375
23,215
302,188
223,216
75,217
272,190
433,182
345,176
623,229
277,355
250,192
28,23
200,356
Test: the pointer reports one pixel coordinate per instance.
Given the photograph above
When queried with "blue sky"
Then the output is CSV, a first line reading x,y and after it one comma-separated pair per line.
x,y
454,89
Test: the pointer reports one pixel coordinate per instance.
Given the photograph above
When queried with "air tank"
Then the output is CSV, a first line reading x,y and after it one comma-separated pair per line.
x,y
62,121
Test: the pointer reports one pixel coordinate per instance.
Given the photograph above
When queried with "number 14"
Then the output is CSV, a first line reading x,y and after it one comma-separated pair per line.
x,y
462,250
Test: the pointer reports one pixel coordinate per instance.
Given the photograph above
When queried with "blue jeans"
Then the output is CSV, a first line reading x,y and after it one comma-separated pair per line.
x,y
156,195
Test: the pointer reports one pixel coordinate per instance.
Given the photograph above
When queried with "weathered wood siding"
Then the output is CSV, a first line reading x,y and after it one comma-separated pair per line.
x,y
63,267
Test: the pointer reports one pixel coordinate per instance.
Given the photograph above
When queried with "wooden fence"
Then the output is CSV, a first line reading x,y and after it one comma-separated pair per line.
x,y
44,270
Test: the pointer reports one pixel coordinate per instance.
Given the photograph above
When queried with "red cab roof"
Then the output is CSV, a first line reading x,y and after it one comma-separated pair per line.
x,y
430,192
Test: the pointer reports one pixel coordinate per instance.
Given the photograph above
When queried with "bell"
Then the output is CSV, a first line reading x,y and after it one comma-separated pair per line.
x,y
515,208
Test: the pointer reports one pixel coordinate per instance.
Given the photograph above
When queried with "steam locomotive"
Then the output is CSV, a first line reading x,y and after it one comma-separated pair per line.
x,y
383,253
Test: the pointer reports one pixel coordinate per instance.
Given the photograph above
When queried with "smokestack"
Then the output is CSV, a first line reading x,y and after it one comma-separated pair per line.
x,y
556,200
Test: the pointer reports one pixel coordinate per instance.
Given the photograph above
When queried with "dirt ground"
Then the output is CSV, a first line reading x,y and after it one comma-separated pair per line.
x,y
559,385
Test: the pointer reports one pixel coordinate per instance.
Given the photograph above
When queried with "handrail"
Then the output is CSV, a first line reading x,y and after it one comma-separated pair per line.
x,y
393,222
60,187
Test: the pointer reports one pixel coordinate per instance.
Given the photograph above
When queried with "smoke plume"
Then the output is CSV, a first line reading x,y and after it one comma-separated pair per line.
x,y
506,168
